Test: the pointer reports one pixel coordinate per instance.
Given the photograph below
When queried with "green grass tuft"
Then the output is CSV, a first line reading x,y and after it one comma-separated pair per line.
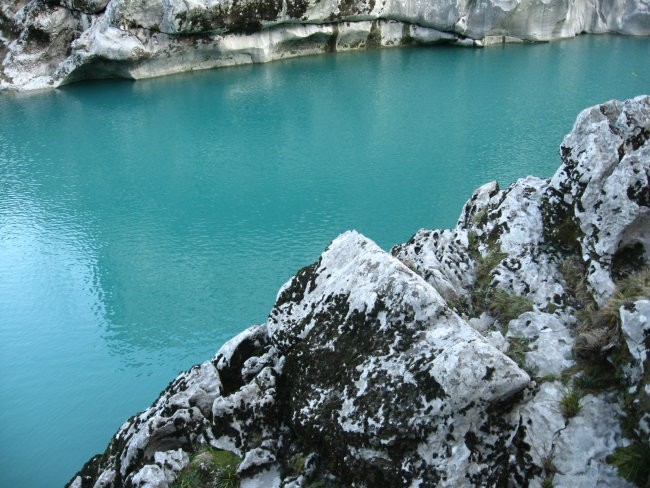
x,y
547,483
507,307
570,403
210,468
633,463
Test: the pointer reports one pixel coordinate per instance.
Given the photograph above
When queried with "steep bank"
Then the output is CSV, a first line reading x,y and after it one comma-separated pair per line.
x,y
511,350
45,44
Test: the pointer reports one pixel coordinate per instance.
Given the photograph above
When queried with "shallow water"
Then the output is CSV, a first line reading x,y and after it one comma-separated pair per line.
x,y
143,224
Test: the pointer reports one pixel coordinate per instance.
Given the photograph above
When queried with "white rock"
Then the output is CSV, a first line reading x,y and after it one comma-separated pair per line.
x,y
635,325
150,476
582,448
269,478
170,36
551,342
605,183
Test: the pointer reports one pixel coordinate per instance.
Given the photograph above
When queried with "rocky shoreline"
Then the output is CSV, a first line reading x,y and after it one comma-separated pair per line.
x,y
48,43
511,350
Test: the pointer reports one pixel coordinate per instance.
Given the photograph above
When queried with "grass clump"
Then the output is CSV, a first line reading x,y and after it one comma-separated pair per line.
x,y
486,264
210,468
633,463
574,271
547,483
600,328
570,403
517,349
499,303
507,307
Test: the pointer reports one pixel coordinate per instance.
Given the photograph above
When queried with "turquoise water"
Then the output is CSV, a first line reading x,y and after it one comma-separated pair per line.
x,y
143,224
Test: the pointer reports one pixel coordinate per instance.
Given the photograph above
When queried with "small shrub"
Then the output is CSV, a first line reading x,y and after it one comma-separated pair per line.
x,y
635,286
570,403
188,479
633,463
298,463
482,294
481,217
227,477
595,377
460,304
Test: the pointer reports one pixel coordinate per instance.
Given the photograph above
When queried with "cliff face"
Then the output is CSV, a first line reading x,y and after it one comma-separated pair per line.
x,y
509,351
46,43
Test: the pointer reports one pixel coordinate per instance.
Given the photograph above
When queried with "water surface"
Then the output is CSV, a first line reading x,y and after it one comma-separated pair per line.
x,y
143,224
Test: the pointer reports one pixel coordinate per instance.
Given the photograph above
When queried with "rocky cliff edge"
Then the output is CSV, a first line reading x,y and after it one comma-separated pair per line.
x,y
509,351
47,43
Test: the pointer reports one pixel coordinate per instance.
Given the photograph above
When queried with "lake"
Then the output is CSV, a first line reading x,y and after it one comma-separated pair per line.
x,y
142,224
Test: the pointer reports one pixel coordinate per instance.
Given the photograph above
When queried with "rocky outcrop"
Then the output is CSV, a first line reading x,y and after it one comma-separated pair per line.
x,y
46,43
509,351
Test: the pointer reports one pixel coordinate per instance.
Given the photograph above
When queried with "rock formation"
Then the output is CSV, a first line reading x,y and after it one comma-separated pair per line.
x,y
47,43
509,351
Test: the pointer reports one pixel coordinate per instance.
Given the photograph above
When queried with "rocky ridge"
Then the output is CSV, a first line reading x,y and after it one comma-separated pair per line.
x,y
511,350
47,43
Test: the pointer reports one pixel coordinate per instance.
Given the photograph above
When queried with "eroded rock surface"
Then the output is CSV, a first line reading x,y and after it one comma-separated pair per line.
x,y
461,358
46,43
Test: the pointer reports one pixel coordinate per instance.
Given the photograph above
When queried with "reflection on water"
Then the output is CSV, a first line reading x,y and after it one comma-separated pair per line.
x,y
143,224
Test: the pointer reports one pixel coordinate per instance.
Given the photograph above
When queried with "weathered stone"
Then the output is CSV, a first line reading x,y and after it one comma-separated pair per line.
x,y
145,38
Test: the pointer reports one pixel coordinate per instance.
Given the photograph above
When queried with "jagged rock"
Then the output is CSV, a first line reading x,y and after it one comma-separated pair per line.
x,y
361,329
441,259
378,369
599,200
80,39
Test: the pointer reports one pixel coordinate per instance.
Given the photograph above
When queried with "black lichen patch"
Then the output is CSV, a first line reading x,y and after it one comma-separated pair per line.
x,y
639,139
321,371
296,9
240,17
561,227
640,191
303,282
37,36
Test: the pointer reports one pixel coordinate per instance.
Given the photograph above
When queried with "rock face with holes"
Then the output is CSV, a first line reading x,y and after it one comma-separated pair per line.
x,y
46,43
439,363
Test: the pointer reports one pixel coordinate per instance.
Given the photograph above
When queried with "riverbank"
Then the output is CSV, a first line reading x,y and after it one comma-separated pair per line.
x,y
45,45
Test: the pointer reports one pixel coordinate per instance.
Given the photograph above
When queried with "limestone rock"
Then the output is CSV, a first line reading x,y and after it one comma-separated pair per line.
x,y
599,199
49,43
359,330
437,364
